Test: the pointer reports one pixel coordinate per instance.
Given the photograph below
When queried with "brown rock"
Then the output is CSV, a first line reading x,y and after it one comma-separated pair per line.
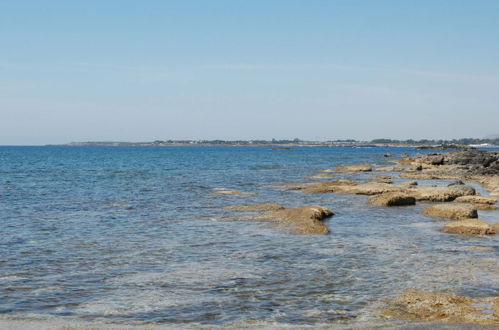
x,y
477,200
300,220
391,199
369,188
352,168
256,207
468,227
422,306
408,184
440,194
327,186
451,211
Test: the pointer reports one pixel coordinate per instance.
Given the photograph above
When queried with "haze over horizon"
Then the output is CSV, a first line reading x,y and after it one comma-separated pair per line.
x,y
314,70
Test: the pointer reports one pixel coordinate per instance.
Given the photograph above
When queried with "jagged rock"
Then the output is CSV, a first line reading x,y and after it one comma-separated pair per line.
x,y
468,227
391,199
451,211
387,155
300,220
255,207
422,306
351,168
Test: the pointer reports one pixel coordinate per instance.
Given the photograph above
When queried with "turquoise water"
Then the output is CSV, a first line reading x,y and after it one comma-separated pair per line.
x,y
133,235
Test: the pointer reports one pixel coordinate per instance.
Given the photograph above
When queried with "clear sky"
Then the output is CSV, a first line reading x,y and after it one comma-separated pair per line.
x,y
146,70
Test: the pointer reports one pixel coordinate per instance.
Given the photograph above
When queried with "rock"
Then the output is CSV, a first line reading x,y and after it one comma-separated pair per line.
x,y
439,194
352,168
455,183
256,207
388,181
368,188
477,200
391,199
451,211
421,306
390,169
408,184
434,160
468,227
387,155
300,220
480,202
387,177
327,186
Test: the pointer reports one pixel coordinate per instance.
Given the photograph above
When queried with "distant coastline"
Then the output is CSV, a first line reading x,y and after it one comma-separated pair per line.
x,y
420,144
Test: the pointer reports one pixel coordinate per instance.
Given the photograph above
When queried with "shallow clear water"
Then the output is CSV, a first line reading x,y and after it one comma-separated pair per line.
x,y
131,235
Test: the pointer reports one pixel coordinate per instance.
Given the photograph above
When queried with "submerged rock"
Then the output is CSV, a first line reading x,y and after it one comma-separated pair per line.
x,y
255,207
225,191
469,227
422,306
392,199
300,220
451,211
351,168
320,176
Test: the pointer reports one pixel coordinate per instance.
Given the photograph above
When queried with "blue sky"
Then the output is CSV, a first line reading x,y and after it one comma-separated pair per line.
x,y
146,70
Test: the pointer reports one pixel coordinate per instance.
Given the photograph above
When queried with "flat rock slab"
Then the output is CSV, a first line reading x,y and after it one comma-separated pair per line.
x,y
477,200
451,211
469,227
351,168
392,199
422,306
440,194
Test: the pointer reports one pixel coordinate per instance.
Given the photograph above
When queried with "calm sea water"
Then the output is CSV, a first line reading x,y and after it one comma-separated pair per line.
x,y
131,235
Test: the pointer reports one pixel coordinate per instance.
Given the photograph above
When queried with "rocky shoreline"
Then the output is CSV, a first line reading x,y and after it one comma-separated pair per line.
x,y
457,202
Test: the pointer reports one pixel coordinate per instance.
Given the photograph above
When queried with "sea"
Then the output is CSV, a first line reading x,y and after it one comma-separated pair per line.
x,y
139,236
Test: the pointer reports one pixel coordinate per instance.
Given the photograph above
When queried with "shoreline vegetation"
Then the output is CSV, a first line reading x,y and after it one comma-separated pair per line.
x,y
463,143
